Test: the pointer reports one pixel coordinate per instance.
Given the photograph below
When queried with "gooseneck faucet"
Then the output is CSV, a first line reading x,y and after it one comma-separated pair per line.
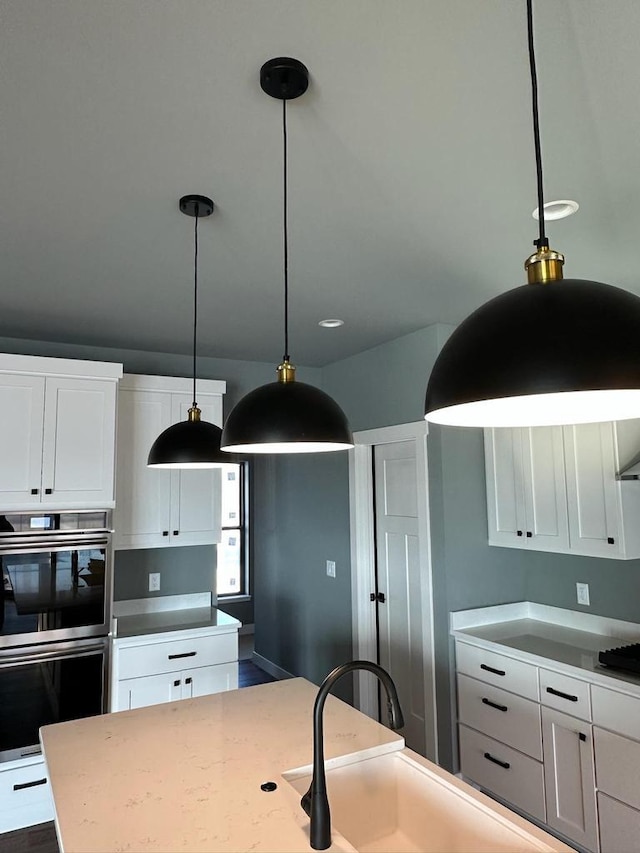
x,y
315,802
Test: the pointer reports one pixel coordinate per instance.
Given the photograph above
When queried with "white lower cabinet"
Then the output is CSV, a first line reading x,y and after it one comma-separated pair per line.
x,y
25,794
570,784
155,668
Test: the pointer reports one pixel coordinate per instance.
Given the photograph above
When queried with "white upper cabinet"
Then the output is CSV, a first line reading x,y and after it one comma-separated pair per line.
x,y
57,433
156,507
555,489
526,492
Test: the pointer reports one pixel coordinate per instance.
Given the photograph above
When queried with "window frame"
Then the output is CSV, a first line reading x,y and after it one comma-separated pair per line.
x,y
243,531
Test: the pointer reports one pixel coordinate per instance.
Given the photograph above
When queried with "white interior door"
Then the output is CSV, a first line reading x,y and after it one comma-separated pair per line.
x,y
391,556
399,602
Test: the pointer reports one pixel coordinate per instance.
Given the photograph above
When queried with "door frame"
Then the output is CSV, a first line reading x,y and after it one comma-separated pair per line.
x,y
363,560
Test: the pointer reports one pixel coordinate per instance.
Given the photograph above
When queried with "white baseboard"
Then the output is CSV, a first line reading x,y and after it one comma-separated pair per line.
x,y
270,667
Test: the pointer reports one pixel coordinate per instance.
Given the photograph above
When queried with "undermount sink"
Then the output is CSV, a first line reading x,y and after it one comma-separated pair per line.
x,y
399,802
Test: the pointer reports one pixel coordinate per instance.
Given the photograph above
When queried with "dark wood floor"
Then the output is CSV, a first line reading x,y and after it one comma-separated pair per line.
x,y
42,838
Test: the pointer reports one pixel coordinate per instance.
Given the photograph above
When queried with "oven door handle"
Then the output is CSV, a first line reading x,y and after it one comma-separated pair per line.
x,y
30,655
40,546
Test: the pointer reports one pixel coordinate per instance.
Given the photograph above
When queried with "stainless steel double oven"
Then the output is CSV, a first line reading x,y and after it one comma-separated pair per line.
x,y
54,620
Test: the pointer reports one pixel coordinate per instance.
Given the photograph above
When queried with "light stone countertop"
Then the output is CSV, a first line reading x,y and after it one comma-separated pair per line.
x,y
186,776
173,620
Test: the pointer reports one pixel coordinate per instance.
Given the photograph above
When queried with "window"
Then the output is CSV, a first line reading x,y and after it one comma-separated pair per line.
x,y
232,550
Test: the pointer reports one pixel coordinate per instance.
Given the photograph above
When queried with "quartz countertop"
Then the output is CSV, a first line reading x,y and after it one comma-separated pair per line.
x,y
186,776
551,640
172,620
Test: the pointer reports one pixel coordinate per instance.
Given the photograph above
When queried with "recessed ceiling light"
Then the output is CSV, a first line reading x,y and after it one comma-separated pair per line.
x,y
557,209
331,323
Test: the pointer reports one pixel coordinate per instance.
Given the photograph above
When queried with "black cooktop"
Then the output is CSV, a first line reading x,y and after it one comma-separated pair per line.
x,y
624,657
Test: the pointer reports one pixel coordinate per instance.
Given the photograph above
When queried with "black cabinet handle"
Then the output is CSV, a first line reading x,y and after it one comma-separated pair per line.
x,y
176,683
491,669
22,785
562,695
48,491
610,540
582,736
165,532
518,532
182,655
494,705
176,532
34,491
529,534
187,681
497,761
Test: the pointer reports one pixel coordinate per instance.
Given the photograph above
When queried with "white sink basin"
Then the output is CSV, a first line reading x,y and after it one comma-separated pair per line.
x,y
401,803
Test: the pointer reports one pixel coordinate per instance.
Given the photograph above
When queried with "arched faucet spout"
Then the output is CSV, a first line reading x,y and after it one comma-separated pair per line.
x,y
315,802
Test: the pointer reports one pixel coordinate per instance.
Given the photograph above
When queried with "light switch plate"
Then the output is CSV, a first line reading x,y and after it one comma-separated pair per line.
x,y
154,581
331,569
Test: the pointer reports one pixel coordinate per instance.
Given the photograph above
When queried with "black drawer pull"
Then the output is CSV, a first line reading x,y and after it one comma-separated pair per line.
x,y
610,540
176,683
561,694
176,532
22,785
582,736
34,491
519,532
529,534
497,761
48,491
491,669
183,655
187,681
165,532
494,705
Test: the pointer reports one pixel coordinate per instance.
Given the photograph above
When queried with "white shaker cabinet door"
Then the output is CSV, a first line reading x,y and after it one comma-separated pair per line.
x,y
149,690
593,493
196,495
79,441
505,491
570,782
545,491
142,518
21,429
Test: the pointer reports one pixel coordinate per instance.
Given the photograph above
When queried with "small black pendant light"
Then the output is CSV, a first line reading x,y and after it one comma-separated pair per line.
x,y
286,416
193,443
549,352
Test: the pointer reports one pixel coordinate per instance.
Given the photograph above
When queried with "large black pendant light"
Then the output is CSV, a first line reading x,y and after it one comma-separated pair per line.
x,y
193,443
286,416
549,352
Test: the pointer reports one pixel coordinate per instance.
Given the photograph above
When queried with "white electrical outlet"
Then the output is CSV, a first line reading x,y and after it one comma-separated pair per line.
x,y
583,593
154,581
331,569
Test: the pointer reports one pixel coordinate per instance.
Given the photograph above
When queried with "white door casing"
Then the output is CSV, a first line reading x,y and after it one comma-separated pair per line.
x,y
363,565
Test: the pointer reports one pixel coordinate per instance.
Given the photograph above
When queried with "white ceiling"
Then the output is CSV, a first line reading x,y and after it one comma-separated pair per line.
x,y
411,165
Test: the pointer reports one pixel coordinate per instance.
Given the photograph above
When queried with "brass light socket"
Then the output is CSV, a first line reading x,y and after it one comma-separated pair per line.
x,y
286,372
194,414
543,266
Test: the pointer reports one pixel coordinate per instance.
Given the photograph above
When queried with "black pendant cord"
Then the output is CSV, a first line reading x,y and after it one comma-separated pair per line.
x,y
285,231
542,241
195,301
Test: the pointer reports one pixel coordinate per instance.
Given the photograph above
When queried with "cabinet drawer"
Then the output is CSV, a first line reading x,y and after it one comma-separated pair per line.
x,y
619,826
617,763
520,782
566,694
177,655
504,672
508,718
25,799
615,711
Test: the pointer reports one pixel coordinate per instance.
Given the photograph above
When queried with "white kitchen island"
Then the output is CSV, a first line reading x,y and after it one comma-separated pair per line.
x,y
187,776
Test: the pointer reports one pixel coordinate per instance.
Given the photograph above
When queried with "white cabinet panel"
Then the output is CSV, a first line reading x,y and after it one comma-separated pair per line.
x,y
619,826
506,772
570,777
567,694
505,497
156,507
25,794
153,658
148,690
616,711
501,671
618,766
21,430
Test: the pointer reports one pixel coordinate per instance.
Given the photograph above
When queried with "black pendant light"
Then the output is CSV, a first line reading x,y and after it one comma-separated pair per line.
x,y
549,352
193,443
286,416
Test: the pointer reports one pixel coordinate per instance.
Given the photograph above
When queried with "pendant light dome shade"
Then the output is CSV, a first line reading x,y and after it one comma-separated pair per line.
x,y
542,354
189,444
286,417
